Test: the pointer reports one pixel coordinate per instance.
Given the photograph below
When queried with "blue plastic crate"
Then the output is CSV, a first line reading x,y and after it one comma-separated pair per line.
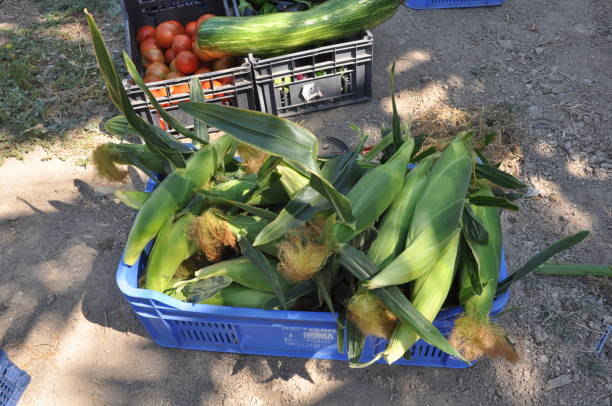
x,y
429,4
176,324
13,381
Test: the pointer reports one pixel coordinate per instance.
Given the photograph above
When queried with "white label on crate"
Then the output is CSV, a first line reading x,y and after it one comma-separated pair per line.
x,y
309,337
309,92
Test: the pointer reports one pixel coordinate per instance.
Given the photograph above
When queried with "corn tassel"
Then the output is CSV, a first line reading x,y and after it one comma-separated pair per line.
x,y
171,248
393,231
172,194
436,217
375,192
106,157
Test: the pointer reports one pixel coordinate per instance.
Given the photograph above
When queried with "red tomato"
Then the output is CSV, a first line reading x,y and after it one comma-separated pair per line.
x,y
204,18
174,75
169,55
164,35
153,55
150,78
178,25
181,42
203,69
186,62
191,28
147,44
145,32
157,69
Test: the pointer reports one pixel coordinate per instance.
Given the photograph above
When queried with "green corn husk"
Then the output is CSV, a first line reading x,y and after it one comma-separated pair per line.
x,y
132,198
251,226
239,296
239,190
474,335
172,194
489,257
292,180
172,246
243,272
375,192
393,231
428,296
436,217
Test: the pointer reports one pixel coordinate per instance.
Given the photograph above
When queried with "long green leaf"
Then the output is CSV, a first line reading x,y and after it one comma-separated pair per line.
x,y
378,148
278,137
574,270
260,261
541,258
341,204
156,139
362,268
493,201
342,171
355,341
274,135
470,263
292,294
498,177
105,62
169,118
196,95
473,229
256,211
132,198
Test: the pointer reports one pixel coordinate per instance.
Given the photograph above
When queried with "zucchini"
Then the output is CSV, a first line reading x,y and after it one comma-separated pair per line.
x,y
280,33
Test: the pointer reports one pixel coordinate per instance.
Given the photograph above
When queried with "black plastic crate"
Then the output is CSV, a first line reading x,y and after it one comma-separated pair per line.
x,y
316,79
237,92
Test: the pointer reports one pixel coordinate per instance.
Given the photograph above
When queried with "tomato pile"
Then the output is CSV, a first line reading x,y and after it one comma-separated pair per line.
x,y
170,51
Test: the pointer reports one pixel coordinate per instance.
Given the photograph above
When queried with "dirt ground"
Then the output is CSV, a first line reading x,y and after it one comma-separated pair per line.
x,y
548,63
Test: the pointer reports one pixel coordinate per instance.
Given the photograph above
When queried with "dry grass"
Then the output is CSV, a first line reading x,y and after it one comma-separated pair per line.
x,y
444,122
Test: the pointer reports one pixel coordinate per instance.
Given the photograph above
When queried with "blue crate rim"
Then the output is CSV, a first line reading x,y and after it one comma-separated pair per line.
x,y
440,4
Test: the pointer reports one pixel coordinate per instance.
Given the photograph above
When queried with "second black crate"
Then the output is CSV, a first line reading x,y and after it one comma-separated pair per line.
x,y
317,78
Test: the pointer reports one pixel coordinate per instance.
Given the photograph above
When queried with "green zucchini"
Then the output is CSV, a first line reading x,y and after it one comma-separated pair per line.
x,y
279,33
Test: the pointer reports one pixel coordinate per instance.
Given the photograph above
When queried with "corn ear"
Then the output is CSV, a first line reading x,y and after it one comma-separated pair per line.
x,y
292,180
428,296
239,296
393,231
243,272
375,192
436,217
170,249
489,257
171,195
